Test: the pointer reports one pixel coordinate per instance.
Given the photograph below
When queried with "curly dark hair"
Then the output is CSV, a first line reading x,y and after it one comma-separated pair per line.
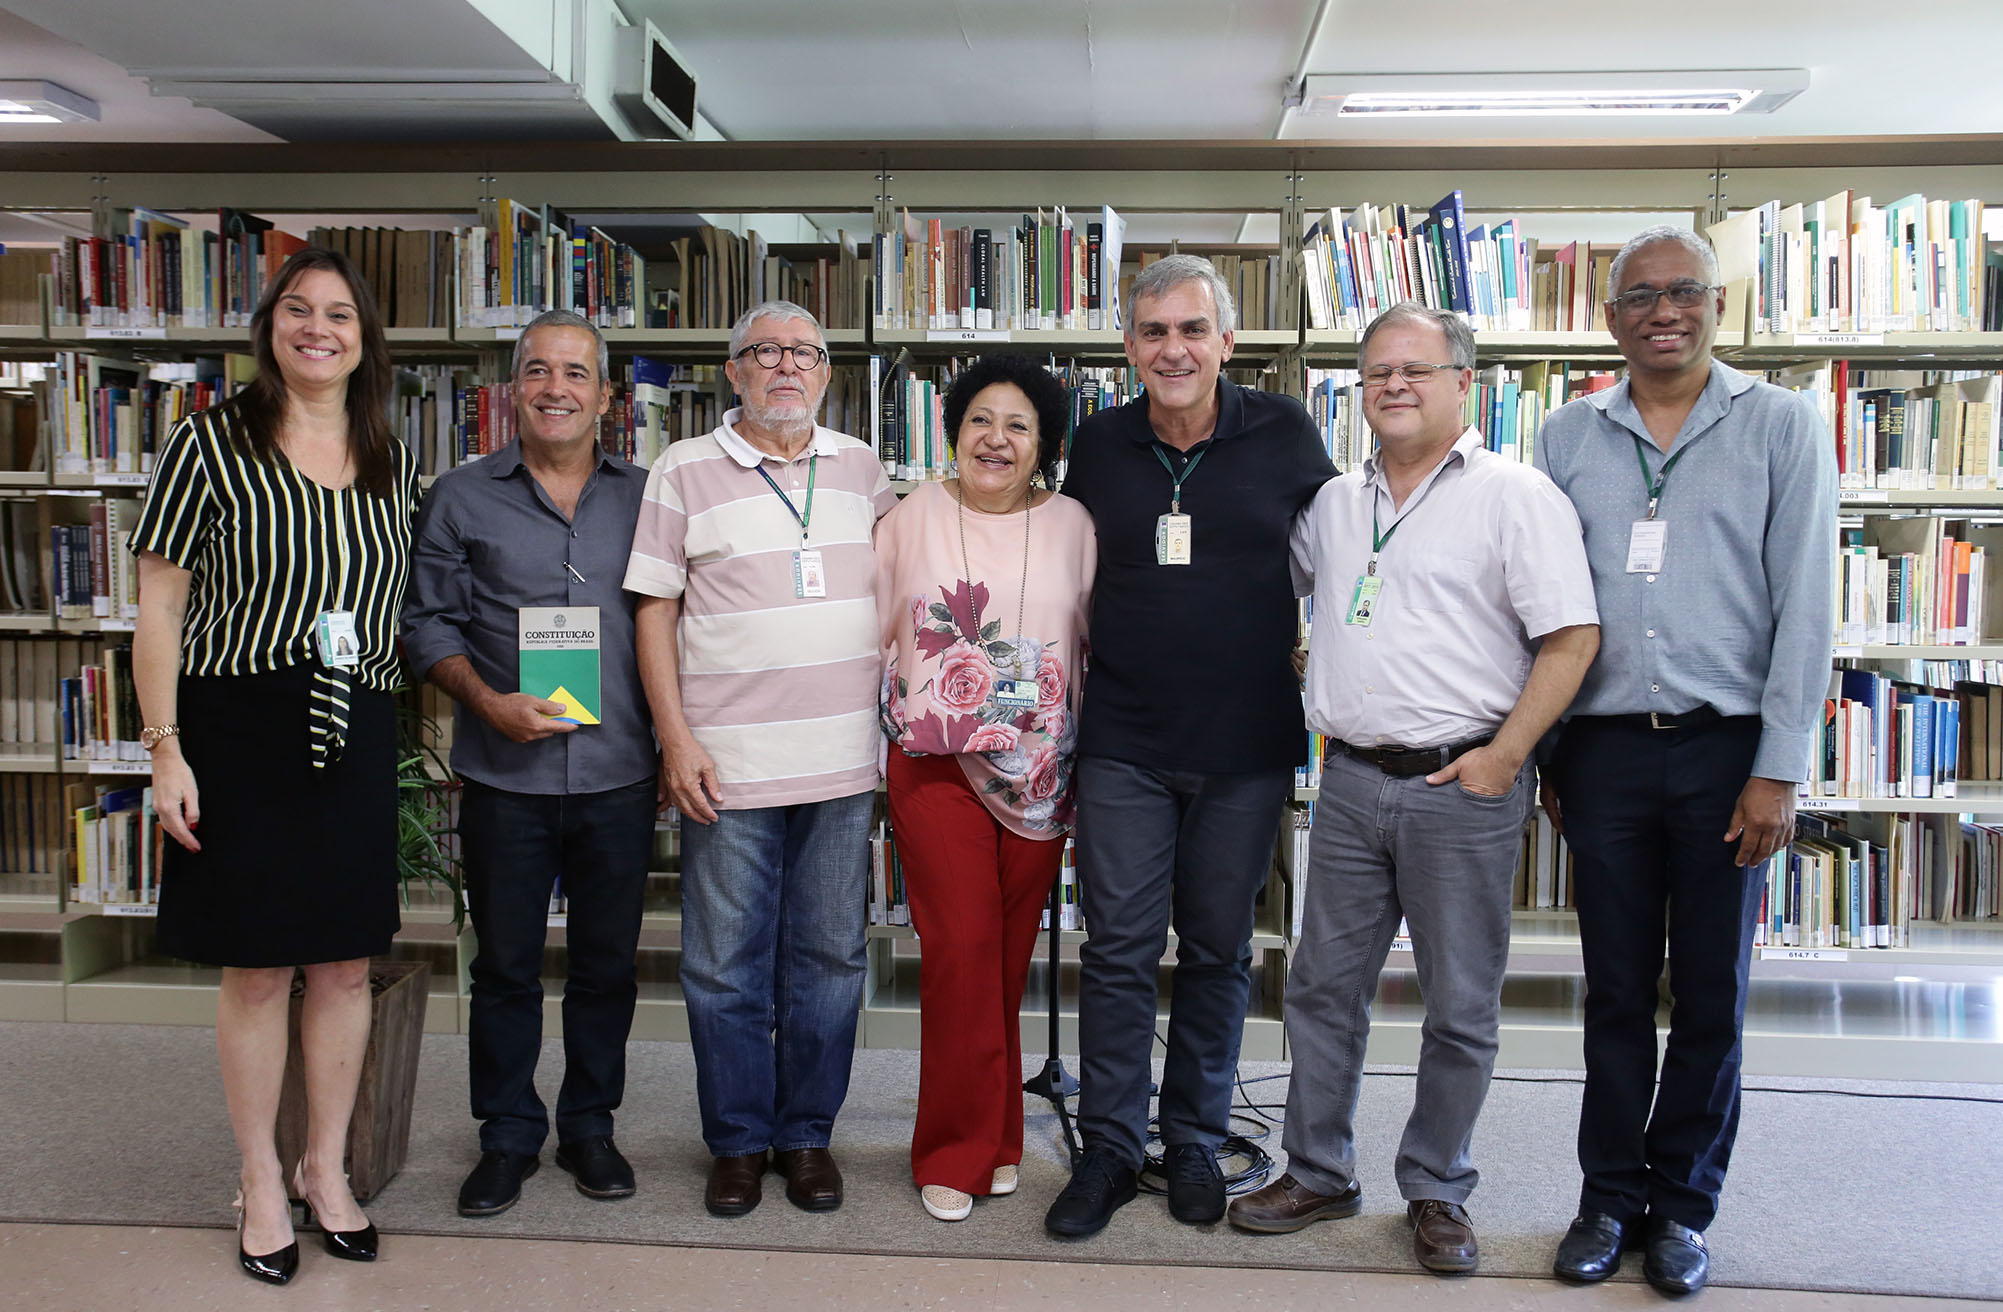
x,y
1047,396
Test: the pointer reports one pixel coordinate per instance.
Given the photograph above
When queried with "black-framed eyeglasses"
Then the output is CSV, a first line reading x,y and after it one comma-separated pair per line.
x,y
1682,295
806,356
1416,371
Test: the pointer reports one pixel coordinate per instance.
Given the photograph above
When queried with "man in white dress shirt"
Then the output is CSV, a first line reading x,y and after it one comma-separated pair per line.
x,y
1454,619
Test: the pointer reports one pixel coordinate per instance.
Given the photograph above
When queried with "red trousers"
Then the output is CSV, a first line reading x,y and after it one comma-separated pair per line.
x,y
976,890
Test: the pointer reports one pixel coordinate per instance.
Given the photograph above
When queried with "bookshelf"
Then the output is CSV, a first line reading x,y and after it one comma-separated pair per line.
x,y
89,962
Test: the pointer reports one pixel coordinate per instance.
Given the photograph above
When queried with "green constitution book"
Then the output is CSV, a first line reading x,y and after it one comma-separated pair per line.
x,y
559,659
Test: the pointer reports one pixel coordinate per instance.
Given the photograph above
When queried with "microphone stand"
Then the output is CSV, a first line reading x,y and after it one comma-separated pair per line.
x,y
1053,1081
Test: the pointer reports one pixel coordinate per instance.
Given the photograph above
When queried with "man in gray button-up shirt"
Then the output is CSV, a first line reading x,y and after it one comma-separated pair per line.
x,y
545,522
1709,505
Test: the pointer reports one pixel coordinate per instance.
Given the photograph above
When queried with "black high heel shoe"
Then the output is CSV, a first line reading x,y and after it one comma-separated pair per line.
x,y
354,1245
273,1268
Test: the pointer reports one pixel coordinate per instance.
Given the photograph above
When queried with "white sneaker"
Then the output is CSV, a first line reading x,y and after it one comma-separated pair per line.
x,y
1004,1181
946,1204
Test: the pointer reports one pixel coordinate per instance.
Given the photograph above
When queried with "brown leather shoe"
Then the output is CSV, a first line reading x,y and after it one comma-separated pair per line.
x,y
734,1188
813,1181
1442,1236
1287,1205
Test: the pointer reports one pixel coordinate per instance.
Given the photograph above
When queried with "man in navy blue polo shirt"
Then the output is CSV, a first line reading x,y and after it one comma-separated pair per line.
x,y
1189,734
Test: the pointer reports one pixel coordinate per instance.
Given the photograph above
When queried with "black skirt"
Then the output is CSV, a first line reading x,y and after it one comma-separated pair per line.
x,y
297,865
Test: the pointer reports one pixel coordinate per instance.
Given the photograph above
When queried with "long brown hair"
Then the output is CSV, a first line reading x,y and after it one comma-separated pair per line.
x,y
262,404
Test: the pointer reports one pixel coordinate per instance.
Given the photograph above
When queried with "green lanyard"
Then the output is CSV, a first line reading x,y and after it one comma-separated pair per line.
x,y
802,516
1175,496
1654,483
1378,537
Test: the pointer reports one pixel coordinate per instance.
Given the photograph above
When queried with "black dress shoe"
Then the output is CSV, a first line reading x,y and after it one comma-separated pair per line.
x,y
1195,1185
1591,1249
601,1171
813,1181
1101,1185
496,1183
1677,1262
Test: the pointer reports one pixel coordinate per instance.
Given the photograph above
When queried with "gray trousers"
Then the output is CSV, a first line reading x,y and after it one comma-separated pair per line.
x,y
1444,859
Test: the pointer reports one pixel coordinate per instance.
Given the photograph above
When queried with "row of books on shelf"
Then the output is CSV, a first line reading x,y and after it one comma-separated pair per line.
x,y
1834,888
99,415
68,693
67,560
99,707
1358,265
1050,271
1881,738
1845,265
1905,429
118,844
155,270
536,258
1934,592
1841,265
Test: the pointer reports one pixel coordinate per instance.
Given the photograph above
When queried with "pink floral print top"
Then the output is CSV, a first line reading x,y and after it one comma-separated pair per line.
x,y
959,679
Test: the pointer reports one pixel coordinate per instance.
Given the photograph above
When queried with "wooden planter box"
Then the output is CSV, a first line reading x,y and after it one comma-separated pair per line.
x,y
379,1133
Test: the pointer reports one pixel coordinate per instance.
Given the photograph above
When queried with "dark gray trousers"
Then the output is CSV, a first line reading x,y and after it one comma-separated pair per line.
x,y
1158,848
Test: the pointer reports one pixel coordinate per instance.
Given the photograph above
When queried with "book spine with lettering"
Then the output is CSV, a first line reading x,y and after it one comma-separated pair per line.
x,y
983,279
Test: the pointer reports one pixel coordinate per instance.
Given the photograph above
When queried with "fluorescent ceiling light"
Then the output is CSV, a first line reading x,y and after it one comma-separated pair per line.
x,y
43,102
1547,95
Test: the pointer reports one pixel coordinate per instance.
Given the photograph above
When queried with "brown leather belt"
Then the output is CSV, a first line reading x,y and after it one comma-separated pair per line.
x,y
1404,762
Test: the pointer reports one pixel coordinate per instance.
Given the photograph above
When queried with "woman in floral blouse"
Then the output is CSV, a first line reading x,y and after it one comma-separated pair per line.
x,y
983,585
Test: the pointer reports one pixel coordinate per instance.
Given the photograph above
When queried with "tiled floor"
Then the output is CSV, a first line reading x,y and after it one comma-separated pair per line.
x,y
56,1268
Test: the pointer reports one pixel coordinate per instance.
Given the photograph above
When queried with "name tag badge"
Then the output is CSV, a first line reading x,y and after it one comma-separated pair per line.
x,y
1363,602
810,578
1015,694
335,632
1172,537
1646,545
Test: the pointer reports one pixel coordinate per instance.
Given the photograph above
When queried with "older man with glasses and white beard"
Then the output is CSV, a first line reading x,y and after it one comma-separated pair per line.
x,y
758,646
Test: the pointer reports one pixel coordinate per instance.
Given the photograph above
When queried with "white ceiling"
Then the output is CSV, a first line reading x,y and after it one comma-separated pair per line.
x,y
999,69
1212,68
130,112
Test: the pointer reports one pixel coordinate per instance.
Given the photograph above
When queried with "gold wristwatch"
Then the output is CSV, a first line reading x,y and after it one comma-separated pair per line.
x,y
150,737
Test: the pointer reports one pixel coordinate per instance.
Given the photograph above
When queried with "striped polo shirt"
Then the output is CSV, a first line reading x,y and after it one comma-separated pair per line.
x,y
270,549
779,689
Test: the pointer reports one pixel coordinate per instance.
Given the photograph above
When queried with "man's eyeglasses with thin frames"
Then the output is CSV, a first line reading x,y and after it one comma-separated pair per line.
x,y
1417,371
806,356
1682,295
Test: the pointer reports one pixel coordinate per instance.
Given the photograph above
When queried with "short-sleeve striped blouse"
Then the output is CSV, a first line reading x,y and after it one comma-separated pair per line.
x,y
270,549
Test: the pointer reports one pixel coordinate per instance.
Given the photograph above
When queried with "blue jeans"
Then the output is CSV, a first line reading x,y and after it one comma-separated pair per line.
x,y
774,901
516,846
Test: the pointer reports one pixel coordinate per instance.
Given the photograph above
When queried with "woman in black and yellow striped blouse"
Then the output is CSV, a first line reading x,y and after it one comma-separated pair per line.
x,y
272,557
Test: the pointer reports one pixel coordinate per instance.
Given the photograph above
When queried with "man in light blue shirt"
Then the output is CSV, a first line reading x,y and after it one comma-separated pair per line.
x,y
1709,506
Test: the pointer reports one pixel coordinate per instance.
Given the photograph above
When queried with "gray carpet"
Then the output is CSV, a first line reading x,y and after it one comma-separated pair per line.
x,y
1877,1187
